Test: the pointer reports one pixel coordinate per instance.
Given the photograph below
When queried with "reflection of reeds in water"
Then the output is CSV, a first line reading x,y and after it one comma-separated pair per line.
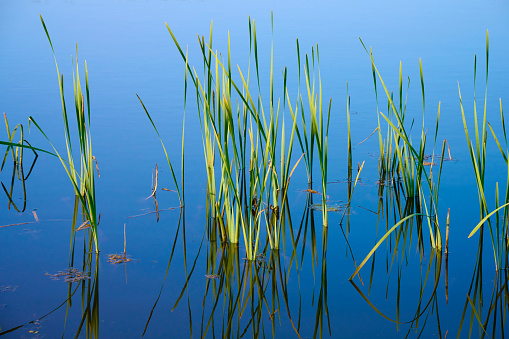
x,y
17,168
86,281
89,298
245,293
489,318
249,297
427,303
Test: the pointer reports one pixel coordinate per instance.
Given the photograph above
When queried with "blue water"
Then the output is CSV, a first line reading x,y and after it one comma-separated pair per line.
x,y
129,50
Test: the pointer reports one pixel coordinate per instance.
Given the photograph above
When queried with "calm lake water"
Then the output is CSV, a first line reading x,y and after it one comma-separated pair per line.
x,y
180,283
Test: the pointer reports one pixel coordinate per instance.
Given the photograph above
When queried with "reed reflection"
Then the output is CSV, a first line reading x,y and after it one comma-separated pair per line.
x,y
18,158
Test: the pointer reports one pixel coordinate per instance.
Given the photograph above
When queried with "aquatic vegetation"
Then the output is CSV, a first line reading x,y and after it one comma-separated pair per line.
x,y
84,182
120,258
263,264
477,147
244,138
403,166
70,275
246,135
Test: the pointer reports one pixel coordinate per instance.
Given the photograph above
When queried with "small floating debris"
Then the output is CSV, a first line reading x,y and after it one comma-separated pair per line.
x,y
70,275
8,288
311,191
118,258
260,258
211,276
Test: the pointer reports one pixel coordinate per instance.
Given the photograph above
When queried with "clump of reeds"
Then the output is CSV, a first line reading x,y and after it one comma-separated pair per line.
x,y
477,148
247,181
83,180
403,161
316,122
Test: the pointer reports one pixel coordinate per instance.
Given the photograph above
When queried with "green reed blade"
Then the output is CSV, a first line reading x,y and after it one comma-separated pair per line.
x,y
401,88
180,49
476,228
498,143
255,45
503,120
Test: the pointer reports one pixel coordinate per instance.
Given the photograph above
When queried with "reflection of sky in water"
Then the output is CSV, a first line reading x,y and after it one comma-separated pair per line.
x,y
128,50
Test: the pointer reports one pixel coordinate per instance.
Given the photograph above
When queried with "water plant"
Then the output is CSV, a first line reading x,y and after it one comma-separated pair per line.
x,y
477,148
316,122
84,180
248,186
403,165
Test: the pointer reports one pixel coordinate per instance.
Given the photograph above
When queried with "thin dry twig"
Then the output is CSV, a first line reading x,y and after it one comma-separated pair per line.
x,y
369,136
83,226
96,166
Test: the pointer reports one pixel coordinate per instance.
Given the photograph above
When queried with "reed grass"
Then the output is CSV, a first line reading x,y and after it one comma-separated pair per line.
x,y
240,135
84,180
401,160
316,108
498,231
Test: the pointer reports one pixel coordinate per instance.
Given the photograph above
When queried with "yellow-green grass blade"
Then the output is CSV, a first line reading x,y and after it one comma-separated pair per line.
x,y
476,228
180,49
503,120
422,87
498,143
